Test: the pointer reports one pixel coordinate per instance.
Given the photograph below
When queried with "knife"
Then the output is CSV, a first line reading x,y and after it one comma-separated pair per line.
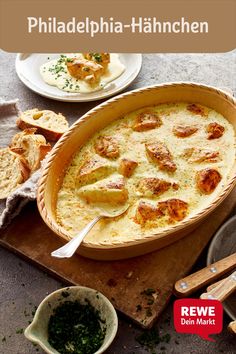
x,y
186,286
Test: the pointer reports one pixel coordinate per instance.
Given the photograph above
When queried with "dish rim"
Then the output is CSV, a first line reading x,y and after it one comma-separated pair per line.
x,y
203,212
76,99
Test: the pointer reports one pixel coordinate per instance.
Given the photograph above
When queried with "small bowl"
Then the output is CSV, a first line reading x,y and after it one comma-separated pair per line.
x,y
37,331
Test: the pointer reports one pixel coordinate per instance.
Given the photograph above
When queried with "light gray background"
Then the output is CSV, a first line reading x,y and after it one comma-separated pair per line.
x,y
24,286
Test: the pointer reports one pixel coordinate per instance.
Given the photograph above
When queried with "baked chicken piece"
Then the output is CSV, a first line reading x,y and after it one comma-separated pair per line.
x,y
207,180
147,212
201,155
160,154
215,131
127,167
86,70
197,109
92,170
152,185
107,146
183,131
100,58
109,190
177,209
147,120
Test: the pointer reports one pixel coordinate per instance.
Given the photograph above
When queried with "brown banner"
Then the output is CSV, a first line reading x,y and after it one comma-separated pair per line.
x,y
118,25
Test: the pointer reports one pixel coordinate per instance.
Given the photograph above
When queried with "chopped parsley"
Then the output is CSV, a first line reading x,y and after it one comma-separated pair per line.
x,y
148,291
138,308
150,301
19,331
151,338
97,57
148,312
75,328
65,294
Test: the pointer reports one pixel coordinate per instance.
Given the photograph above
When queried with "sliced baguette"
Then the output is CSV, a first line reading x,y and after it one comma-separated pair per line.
x,y
48,123
14,171
33,147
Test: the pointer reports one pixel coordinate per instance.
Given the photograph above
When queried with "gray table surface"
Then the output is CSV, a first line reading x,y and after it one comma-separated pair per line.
x,y
23,286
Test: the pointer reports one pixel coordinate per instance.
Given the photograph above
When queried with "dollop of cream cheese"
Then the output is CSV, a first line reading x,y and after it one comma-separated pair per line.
x,y
55,73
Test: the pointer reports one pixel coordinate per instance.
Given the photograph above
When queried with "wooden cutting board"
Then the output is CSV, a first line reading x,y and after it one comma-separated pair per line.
x,y
140,287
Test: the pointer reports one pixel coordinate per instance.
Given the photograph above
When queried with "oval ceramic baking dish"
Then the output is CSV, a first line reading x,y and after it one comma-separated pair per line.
x,y
95,120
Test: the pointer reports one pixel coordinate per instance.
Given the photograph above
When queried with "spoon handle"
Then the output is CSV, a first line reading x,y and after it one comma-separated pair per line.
x,y
69,248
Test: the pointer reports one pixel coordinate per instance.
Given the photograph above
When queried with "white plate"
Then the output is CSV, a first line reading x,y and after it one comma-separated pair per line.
x,y
223,245
27,68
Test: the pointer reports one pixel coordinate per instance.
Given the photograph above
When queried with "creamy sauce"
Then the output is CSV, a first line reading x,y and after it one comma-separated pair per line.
x,y
55,73
73,213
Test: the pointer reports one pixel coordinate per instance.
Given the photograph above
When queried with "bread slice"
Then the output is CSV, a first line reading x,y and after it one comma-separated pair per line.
x,y
48,123
33,147
14,171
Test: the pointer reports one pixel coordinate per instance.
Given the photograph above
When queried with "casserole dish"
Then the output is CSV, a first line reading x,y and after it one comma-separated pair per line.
x,y
98,118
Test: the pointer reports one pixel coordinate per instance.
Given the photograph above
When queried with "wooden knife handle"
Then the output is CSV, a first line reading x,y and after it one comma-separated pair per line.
x,y
186,286
223,290
212,286
232,327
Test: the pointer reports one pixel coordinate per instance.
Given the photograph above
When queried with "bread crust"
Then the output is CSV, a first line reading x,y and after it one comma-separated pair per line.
x,y
18,172
49,134
33,147
26,120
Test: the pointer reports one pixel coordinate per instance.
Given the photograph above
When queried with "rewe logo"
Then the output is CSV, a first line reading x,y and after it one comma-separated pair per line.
x,y
198,316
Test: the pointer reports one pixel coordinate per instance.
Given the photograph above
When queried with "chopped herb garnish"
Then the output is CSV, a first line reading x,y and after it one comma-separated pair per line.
x,y
148,312
148,291
97,57
138,308
75,328
150,301
33,312
166,338
151,338
19,331
65,294
26,313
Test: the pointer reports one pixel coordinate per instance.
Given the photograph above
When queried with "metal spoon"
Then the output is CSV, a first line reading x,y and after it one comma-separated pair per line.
x,y
69,248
